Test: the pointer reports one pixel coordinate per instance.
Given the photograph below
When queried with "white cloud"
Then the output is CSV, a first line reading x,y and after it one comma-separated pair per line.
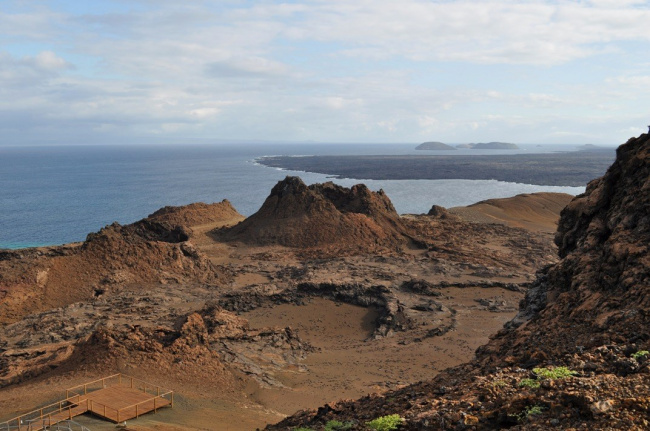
x,y
49,60
322,69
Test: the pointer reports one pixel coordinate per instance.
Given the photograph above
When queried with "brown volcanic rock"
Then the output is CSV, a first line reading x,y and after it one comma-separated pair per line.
x,y
297,215
161,350
590,313
198,213
601,287
144,252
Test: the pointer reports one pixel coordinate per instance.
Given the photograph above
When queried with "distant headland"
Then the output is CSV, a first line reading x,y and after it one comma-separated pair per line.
x,y
574,168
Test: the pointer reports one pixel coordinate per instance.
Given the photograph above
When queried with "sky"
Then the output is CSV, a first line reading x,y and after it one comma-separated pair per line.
x,y
100,71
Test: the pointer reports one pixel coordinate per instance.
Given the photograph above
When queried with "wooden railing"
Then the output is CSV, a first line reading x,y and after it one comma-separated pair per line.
x,y
75,397
102,383
68,426
43,416
104,410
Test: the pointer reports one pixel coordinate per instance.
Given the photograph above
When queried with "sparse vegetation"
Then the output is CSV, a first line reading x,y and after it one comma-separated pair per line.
x,y
529,383
640,354
554,373
546,373
335,425
303,429
530,411
386,423
499,383
527,412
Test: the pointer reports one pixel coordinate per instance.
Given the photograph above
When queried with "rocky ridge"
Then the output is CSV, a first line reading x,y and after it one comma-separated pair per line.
x,y
198,213
148,251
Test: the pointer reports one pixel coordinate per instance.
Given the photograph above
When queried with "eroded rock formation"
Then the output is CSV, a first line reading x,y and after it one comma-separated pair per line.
x,y
301,216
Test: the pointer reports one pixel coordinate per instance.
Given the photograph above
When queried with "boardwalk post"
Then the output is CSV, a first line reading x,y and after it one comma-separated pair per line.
x,y
136,411
154,405
172,400
131,382
104,410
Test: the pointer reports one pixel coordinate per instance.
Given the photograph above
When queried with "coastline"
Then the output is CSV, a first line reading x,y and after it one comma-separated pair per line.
x,y
572,169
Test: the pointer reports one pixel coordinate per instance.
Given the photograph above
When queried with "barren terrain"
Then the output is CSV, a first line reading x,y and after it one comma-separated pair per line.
x,y
247,331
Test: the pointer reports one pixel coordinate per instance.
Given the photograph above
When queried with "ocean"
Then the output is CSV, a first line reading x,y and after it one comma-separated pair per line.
x,y
58,194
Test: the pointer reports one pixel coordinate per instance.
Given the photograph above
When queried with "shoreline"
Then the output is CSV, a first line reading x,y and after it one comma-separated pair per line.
x,y
569,169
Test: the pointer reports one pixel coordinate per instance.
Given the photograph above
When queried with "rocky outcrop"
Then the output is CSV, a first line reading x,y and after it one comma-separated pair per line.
x,y
301,216
599,292
144,252
439,212
198,213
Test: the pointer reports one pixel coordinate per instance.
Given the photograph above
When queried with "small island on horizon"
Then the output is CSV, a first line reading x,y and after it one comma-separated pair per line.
x,y
435,146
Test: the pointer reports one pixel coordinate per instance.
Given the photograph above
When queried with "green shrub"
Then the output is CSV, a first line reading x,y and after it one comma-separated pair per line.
x,y
499,383
338,425
386,423
303,429
554,373
529,383
640,354
533,410
527,412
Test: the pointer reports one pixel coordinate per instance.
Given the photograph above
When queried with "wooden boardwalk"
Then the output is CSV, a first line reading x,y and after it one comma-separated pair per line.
x,y
117,398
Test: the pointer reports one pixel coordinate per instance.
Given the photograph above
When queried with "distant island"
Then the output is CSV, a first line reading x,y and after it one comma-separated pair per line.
x,y
490,146
434,146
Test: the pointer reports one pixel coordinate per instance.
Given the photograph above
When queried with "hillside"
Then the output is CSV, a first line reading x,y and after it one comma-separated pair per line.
x,y
536,211
589,313
153,250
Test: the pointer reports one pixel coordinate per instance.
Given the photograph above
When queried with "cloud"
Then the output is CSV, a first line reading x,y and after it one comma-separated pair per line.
x,y
243,68
326,70
533,32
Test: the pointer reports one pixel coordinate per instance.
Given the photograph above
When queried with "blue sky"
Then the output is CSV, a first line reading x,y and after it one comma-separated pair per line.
x,y
330,71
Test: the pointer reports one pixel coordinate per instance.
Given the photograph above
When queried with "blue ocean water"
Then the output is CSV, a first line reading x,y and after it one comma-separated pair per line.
x,y
58,194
